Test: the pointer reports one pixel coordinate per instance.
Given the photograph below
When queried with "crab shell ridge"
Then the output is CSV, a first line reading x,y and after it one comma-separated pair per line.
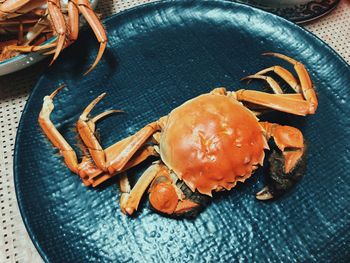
x,y
211,142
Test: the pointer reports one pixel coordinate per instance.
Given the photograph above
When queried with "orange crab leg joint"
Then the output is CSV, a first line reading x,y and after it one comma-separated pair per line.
x,y
131,201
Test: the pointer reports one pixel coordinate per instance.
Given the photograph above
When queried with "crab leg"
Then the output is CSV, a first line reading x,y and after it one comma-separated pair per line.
x,y
281,102
14,23
54,136
14,8
130,201
31,48
83,6
73,14
113,151
20,33
41,26
306,104
286,165
138,157
296,96
11,6
284,74
8,8
32,5
3,44
30,31
307,88
125,190
96,25
38,28
83,169
87,169
6,54
122,151
58,24
273,84
136,141
86,129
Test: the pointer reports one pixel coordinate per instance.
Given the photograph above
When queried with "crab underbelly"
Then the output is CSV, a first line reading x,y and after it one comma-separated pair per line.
x,y
211,142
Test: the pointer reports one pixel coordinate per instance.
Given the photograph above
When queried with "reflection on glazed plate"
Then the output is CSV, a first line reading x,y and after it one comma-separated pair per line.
x,y
298,13
25,60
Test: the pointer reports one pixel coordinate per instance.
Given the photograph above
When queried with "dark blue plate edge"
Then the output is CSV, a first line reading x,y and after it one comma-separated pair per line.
x,y
16,183
122,13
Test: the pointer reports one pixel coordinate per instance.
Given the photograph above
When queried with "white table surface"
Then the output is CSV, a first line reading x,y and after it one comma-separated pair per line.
x,y
15,244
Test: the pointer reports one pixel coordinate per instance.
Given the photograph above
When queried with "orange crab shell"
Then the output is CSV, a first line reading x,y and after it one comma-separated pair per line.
x,y
211,142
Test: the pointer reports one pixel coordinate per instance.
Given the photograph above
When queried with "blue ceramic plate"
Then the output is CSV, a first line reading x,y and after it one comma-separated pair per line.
x,y
160,55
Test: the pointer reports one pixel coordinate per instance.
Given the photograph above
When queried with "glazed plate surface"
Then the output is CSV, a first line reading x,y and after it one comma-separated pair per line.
x,y
160,55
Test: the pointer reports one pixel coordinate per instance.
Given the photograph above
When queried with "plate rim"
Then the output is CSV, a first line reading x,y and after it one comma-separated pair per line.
x,y
114,16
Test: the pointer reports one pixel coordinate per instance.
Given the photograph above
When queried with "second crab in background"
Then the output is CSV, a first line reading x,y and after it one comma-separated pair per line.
x,y
28,24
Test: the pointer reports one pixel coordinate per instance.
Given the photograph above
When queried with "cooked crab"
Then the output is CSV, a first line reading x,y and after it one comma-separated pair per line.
x,y
205,145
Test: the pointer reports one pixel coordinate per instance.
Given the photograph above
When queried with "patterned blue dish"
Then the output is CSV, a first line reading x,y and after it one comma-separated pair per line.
x,y
301,13
160,55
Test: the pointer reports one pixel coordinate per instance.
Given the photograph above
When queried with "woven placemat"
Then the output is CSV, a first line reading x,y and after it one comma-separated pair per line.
x,y
15,244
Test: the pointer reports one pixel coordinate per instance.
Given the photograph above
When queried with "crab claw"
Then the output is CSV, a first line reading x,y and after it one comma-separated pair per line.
x,y
163,196
281,180
172,197
264,194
